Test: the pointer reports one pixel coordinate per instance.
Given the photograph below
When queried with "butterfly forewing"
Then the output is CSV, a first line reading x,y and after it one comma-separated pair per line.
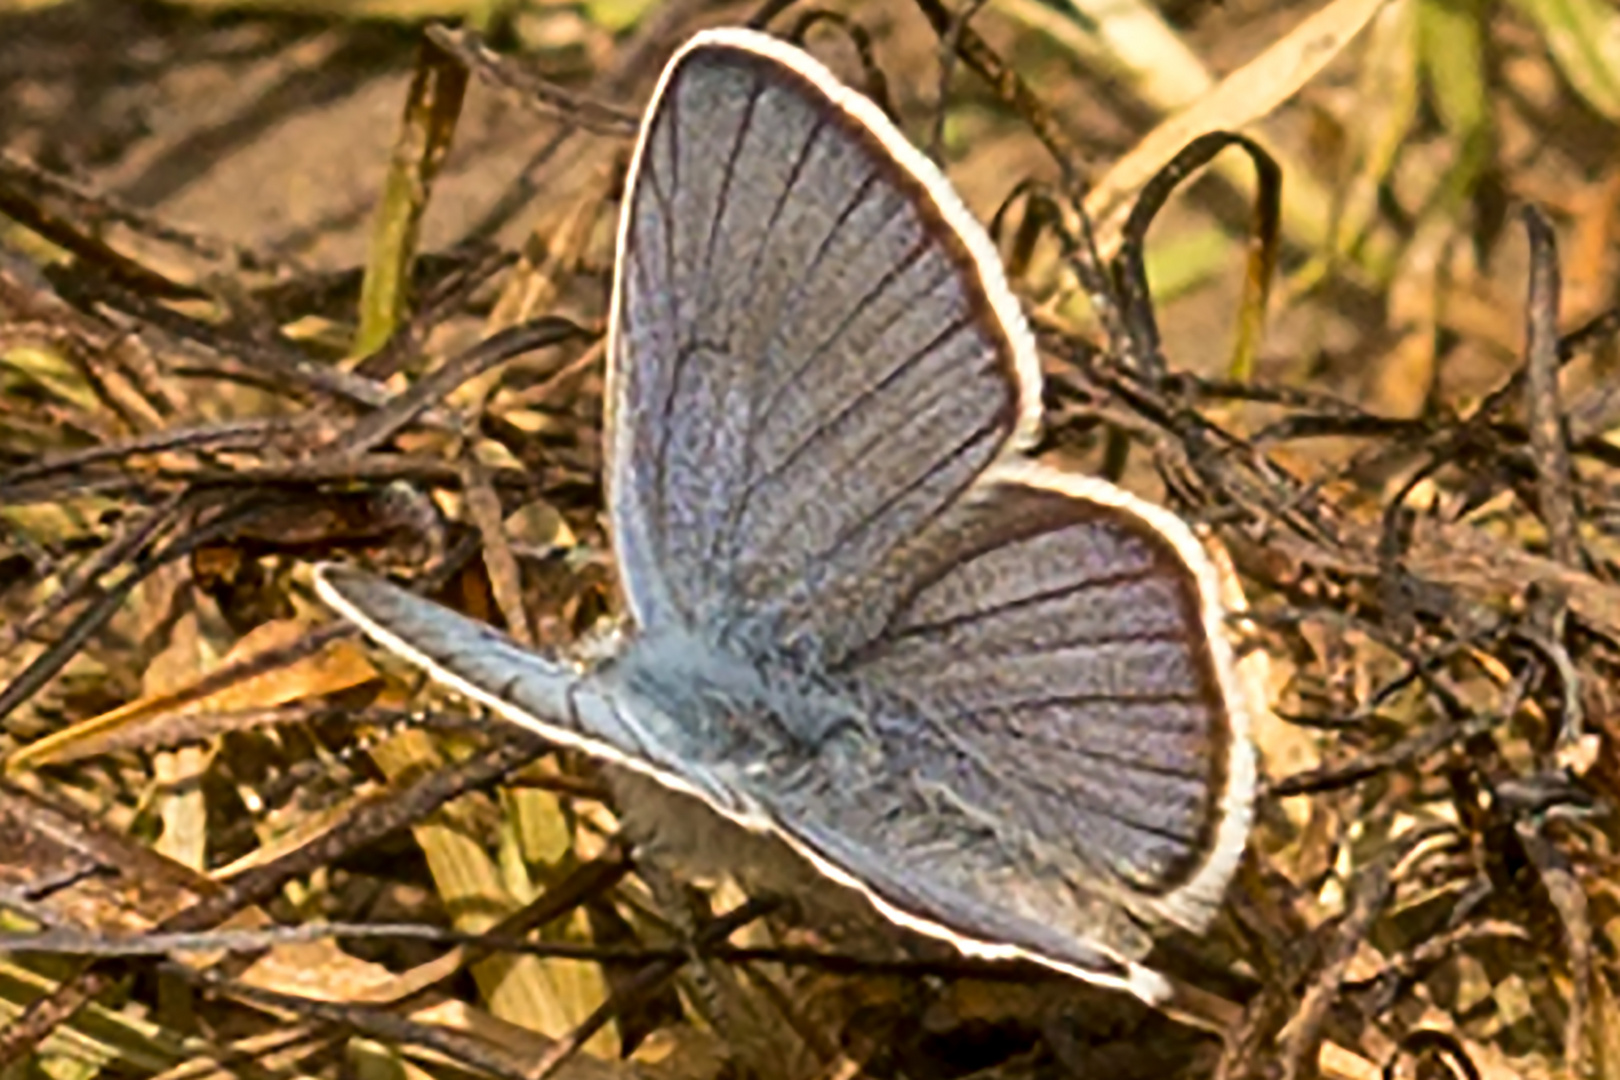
x,y
807,362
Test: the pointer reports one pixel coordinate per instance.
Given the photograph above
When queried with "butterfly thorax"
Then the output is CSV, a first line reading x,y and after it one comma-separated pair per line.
x,y
730,711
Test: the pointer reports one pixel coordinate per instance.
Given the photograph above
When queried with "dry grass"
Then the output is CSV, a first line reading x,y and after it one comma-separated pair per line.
x,y
247,323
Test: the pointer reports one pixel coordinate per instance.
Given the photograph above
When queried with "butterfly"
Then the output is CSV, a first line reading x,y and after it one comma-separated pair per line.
x,y
994,698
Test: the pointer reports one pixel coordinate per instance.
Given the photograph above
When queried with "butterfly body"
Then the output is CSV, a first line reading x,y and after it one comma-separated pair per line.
x,y
725,713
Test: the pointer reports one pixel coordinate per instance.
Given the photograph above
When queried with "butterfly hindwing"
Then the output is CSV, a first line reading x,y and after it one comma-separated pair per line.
x,y
1061,669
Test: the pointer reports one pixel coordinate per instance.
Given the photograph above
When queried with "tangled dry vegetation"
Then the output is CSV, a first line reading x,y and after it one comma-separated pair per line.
x,y
236,841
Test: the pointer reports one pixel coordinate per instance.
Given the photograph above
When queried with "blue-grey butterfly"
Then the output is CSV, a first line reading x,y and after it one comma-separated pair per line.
x,y
994,698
